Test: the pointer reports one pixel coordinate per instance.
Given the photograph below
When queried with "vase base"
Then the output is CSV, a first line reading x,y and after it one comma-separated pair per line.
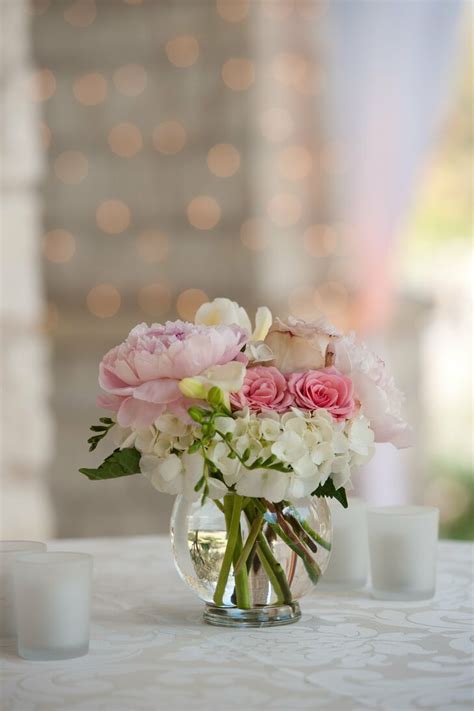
x,y
264,616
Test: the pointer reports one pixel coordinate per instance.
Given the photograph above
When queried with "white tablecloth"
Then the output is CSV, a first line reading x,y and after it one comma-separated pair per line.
x,y
149,649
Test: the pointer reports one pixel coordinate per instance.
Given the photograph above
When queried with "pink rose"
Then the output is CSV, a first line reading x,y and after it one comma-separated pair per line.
x,y
264,388
141,375
298,345
323,389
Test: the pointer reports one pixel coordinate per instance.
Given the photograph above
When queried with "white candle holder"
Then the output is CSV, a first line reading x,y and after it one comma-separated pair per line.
x,y
403,543
52,603
348,566
8,553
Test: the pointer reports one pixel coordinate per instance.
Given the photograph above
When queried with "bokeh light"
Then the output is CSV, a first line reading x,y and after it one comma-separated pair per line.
x,y
154,299
59,246
311,81
189,301
90,89
203,212
71,167
81,13
289,68
38,7
223,160
130,80
152,246
233,10
125,140
295,163
284,209
42,85
182,51
276,124
113,216
103,300
169,137
278,9
238,73
253,234
320,240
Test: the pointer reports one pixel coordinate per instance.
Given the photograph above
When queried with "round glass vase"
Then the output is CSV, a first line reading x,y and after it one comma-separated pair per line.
x,y
275,576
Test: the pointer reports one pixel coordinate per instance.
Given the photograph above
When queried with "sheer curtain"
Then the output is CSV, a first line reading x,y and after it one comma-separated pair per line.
x,y
390,66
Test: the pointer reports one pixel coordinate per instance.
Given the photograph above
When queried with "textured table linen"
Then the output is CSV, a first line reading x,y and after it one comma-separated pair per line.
x,y
149,649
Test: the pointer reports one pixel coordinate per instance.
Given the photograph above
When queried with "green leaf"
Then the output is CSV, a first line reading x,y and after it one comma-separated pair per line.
x,y
122,462
329,491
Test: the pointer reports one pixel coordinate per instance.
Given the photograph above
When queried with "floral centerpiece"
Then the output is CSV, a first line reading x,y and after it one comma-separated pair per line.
x,y
253,428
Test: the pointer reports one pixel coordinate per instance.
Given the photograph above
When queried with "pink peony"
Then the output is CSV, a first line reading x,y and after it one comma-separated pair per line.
x,y
375,388
323,389
264,388
141,375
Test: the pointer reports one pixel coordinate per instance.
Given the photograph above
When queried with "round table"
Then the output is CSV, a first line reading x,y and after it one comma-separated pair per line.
x,y
150,650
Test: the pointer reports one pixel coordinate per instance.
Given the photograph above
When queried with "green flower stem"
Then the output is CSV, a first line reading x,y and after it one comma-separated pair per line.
x,y
311,532
232,538
277,575
249,543
219,505
315,536
267,558
242,591
285,533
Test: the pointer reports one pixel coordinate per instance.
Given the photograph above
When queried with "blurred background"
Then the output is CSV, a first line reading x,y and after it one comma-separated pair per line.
x,y
312,156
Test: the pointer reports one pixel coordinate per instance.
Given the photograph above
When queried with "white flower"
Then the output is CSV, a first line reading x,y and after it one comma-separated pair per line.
x,y
360,435
123,437
229,378
225,312
270,429
173,474
172,425
289,447
219,455
267,483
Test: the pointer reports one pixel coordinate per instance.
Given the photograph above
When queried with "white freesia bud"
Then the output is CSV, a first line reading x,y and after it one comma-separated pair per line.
x,y
193,388
222,312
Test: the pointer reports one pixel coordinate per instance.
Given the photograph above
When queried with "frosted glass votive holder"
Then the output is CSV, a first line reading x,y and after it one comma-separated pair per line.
x,y
348,566
403,543
8,553
52,604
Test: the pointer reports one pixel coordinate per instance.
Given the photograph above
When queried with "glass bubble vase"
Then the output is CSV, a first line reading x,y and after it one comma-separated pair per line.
x,y
266,588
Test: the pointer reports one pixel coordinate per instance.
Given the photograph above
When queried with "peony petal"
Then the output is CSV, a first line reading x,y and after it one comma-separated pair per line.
x,y
137,413
158,391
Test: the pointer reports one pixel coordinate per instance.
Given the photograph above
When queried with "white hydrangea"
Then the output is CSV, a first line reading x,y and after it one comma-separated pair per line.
x,y
311,446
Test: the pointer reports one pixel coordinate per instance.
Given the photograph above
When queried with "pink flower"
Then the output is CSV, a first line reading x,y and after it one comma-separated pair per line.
x,y
375,388
323,389
141,375
264,389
